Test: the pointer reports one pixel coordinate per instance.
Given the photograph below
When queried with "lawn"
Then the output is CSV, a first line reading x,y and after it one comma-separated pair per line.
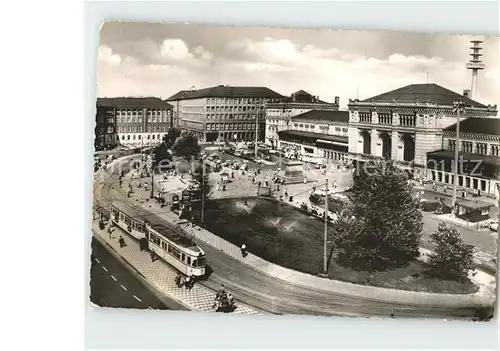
x,y
278,233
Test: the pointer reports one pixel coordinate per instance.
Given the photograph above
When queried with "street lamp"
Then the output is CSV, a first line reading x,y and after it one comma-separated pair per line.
x,y
152,175
458,107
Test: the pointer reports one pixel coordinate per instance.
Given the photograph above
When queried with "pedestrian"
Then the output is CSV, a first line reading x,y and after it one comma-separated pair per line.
x,y
121,241
187,282
392,314
244,250
152,255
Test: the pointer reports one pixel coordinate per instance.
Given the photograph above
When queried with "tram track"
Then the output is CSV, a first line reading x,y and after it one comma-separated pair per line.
x,y
272,295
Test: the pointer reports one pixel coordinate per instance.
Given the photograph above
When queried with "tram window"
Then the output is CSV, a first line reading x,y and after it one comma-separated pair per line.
x,y
164,245
189,260
128,220
174,252
200,262
183,257
140,227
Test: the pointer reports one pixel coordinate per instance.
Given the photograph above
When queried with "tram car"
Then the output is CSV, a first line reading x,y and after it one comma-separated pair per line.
x,y
169,244
176,249
128,219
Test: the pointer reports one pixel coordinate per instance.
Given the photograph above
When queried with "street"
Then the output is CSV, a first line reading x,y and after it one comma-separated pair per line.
x,y
112,285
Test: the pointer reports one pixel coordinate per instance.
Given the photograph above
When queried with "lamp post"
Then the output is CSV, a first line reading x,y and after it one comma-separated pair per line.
x,y
458,107
152,175
325,234
202,191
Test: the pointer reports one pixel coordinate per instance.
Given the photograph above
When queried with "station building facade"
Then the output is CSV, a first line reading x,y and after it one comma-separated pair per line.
x,y
405,124
317,136
479,156
138,121
279,114
223,113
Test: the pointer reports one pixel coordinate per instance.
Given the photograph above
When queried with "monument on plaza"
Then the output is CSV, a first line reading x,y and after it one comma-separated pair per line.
x,y
292,173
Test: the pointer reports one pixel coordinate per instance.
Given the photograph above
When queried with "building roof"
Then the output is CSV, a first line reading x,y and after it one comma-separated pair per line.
x,y
301,92
431,93
313,136
323,115
477,125
449,154
132,102
225,91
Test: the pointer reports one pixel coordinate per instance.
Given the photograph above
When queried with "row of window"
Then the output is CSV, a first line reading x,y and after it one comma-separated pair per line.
x,y
234,116
239,101
139,112
481,148
138,137
302,125
138,119
230,126
404,120
234,108
134,225
140,129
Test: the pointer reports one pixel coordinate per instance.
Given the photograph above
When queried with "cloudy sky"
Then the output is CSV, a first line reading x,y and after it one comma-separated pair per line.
x,y
144,59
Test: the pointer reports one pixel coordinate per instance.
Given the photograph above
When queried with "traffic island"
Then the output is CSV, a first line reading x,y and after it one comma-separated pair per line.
x,y
278,233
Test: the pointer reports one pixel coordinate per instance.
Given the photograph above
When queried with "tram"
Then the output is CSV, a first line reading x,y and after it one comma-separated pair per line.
x,y
172,246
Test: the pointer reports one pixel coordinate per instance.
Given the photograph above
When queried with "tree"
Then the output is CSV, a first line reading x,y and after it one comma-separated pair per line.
x,y
186,145
170,138
382,224
452,259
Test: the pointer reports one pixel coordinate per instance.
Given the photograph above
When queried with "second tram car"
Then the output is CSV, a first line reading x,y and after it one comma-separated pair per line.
x,y
173,247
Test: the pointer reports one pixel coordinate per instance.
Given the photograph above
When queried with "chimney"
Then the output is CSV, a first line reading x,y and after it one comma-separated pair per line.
x,y
467,93
337,100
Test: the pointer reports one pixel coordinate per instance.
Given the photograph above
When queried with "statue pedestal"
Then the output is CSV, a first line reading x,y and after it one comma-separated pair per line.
x,y
292,173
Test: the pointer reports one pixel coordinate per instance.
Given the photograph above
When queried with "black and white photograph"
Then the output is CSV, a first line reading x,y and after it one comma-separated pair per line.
x,y
281,171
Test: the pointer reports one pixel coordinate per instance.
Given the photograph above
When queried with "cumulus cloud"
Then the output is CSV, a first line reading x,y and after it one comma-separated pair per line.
x,y
168,65
177,50
106,55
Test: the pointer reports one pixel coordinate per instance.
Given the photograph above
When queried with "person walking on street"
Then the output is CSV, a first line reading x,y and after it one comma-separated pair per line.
x,y
152,255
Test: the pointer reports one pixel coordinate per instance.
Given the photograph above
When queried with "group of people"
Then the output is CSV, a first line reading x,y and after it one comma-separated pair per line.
x,y
224,301
187,282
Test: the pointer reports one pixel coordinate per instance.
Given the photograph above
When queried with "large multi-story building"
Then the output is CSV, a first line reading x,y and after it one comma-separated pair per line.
x,y
479,156
223,113
139,121
317,136
105,129
406,123
279,114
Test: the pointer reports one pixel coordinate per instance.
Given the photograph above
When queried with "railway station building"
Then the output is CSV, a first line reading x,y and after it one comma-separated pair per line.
x,y
279,114
479,156
406,124
138,121
223,113
317,136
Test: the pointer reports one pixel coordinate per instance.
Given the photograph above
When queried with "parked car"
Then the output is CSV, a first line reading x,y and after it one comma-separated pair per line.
x,y
323,192
494,226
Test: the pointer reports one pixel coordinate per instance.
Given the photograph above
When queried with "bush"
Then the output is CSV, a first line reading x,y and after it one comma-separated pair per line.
x,y
452,259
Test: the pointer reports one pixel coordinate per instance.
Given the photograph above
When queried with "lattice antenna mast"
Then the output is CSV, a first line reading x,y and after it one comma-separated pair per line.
x,y
475,64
